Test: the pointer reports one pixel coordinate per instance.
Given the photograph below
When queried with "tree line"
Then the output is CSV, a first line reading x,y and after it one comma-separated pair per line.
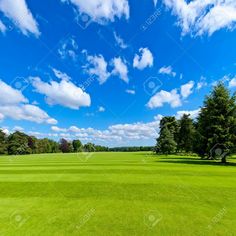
x,y
19,143
212,135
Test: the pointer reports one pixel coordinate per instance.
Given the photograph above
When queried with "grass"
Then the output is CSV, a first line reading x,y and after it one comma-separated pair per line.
x,y
116,194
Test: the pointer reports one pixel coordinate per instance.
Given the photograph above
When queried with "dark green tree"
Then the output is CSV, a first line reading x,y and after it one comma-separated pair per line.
x,y
166,143
47,146
216,124
171,123
186,134
77,146
18,144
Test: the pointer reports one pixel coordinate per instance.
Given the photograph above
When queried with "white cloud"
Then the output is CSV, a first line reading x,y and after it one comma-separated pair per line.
x,y
130,91
118,133
9,95
232,82
102,11
193,114
14,105
6,131
222,15
120,41
155,2
162,97
203,16
145,59
202,83
26,112
18,128
17,11
186,89
120,69
167,70
57,129
52,121
61,75
63,93
3,28
101,109
174,98
158,117
97,66
67,49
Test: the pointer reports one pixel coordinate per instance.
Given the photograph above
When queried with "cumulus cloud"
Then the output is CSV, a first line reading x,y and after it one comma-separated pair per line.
x,y
167,70
232,83
97,66
120,69
162,97
57,129
18,12
144,59
26,112
9,95
102,11
120,42
174,98
200,17
117,133
61,75
63,93
193,114
14,105
186,89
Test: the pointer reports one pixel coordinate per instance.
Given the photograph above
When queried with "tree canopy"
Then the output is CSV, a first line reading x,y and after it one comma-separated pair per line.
x,y
211,135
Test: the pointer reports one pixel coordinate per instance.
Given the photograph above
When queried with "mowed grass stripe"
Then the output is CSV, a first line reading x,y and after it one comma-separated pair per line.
x,y
55,194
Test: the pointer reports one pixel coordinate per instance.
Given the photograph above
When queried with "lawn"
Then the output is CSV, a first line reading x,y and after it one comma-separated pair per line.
x,y
116,194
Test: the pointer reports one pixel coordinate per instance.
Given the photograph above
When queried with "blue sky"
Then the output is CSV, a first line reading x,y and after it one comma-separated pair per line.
x,y
107,71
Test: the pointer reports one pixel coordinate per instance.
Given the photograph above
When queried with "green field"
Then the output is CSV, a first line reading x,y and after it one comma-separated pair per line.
x,y
116,194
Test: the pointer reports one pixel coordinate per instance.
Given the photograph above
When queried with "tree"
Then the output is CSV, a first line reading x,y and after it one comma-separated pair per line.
x,y
171,123
54,146
65,146
47,146
186,134
77,146
18,144
168,133
32,143
89,147
166,143
216,124
3,143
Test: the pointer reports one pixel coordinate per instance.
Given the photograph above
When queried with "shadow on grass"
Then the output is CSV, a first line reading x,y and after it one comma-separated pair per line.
x,y
193,161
